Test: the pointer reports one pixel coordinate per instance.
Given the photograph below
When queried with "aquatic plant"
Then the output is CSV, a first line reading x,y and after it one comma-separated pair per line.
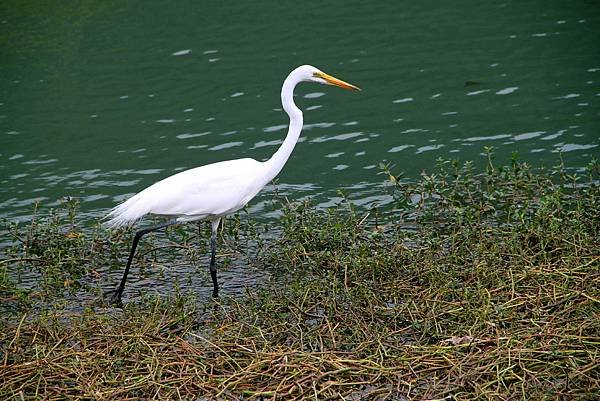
x,y
469,286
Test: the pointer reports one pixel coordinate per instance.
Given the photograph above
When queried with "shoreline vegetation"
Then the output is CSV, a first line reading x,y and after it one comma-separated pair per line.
x,y
470,285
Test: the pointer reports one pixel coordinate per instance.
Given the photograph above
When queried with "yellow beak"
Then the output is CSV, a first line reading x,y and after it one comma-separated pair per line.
x,y
337,82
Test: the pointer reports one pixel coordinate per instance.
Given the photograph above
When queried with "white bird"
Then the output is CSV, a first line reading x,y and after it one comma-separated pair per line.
x,y
216,190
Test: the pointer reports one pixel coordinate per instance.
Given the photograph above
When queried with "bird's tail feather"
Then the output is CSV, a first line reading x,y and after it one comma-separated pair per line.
x,y
126,213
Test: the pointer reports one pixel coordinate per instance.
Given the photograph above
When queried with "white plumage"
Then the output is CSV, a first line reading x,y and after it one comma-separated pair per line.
x,y
206,192
219,189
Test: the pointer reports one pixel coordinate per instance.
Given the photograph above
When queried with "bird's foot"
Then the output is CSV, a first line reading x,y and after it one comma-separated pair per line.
x,y
115,298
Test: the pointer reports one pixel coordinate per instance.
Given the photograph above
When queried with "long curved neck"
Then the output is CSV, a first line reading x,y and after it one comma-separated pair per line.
x,y
279,158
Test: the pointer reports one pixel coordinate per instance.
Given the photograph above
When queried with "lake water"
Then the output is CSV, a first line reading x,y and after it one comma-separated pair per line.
x,y
102,98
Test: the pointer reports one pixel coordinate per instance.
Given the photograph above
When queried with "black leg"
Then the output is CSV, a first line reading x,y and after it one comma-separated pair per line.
x,y
213,253
116,298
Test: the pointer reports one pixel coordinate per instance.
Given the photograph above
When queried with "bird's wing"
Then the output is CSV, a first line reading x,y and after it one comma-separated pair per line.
x,y
212,190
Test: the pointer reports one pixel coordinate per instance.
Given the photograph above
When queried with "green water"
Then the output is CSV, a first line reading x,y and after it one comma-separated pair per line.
x,y
102,98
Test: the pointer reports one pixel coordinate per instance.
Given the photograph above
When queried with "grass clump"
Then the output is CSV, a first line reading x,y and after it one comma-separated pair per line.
x,y
48,256
472,286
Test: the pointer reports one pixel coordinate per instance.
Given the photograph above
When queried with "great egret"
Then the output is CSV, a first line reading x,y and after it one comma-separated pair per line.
x,y
219,189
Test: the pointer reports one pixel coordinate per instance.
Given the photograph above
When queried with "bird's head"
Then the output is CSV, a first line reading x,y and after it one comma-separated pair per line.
x,y
308,73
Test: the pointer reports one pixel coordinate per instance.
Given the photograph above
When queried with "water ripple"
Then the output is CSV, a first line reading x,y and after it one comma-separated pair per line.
x,y
486,138
569,96
507,91
428,148
190,135
314,95
182,52
226,145
308,127
341,167
528,135
261,144
479,92
553,136
400,148
569,147
275,128
40,161
339,137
